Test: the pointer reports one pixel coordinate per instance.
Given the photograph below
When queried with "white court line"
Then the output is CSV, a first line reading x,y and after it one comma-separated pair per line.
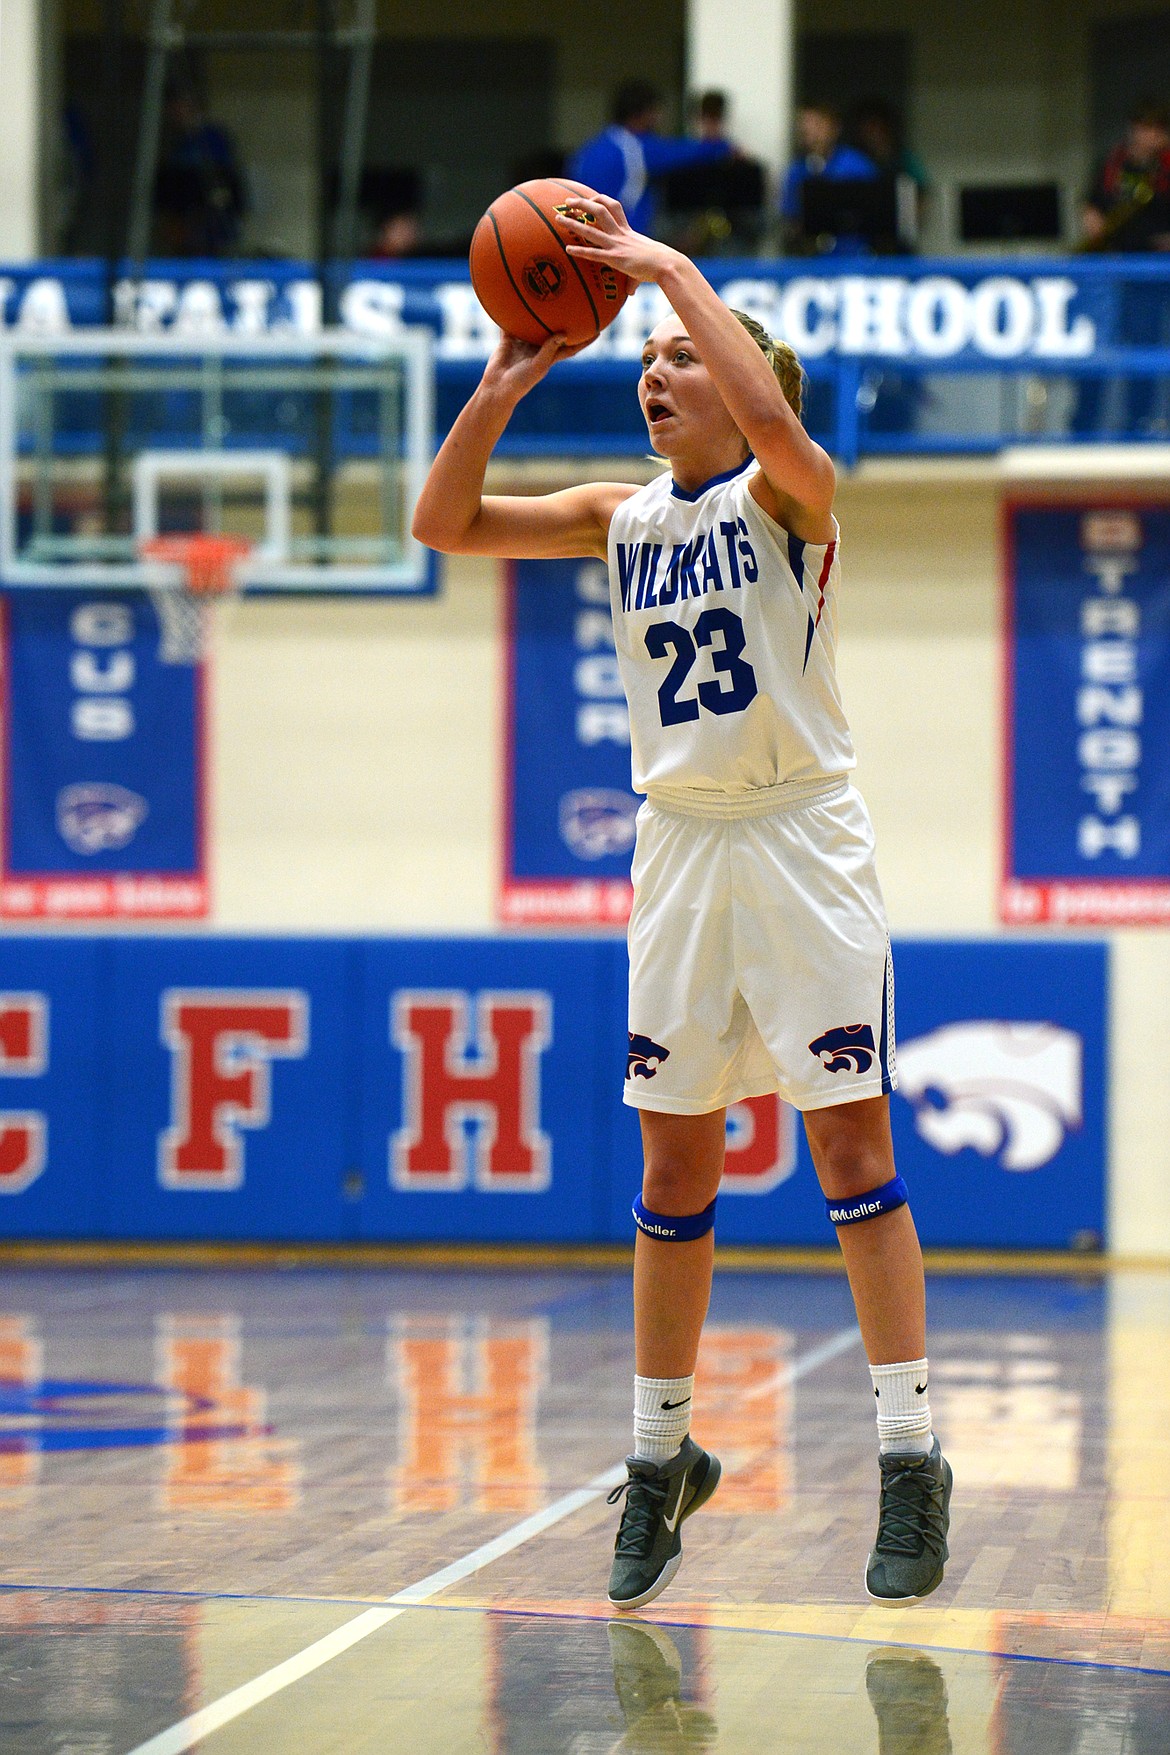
x,y
198,1725
830,1349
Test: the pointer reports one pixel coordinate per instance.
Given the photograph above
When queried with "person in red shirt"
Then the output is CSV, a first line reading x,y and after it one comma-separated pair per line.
x,y
1128,207
1127,211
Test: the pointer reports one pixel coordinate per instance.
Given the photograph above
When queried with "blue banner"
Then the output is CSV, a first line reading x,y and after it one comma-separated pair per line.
x,y
1087,813
470,1089
941,308
867,329
103,762
568,818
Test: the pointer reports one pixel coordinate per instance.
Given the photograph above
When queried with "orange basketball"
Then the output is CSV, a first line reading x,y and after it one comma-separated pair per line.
x,y
525,280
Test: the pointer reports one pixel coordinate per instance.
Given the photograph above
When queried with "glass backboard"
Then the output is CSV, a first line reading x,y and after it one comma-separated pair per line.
x,y
314,450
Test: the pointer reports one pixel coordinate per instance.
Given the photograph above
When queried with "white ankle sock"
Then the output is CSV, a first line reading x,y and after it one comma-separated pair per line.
x,y
903,1408
662,1415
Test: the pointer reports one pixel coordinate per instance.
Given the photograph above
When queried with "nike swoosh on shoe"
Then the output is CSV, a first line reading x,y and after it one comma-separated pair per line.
x,y
672,1522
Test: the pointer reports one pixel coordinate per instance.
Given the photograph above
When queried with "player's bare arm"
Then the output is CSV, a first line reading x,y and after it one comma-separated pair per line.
x,y
797,480
455,516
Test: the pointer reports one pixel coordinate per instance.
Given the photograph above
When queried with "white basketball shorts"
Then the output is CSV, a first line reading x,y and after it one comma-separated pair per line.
x,y
759,958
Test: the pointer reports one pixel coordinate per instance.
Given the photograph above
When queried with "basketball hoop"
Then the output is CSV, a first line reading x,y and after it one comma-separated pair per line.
x,y
186,574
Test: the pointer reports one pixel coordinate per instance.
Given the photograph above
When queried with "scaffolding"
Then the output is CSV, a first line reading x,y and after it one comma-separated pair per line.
x,y
338,32
173,27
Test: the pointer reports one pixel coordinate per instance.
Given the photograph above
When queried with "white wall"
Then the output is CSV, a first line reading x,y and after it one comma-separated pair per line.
x,y
355,762
20,144
357,778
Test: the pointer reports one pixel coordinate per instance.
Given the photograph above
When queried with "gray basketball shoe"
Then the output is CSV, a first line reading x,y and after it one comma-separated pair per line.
x,y
914,1515
659,1496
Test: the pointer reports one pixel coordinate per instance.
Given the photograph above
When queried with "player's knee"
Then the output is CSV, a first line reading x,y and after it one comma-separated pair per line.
x,y
846,1170
674,1185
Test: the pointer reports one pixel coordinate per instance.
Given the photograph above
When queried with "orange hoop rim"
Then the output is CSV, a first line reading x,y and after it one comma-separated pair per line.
x,y
207,561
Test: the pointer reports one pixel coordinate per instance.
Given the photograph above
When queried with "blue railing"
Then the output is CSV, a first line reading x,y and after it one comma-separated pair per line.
x,y
915,356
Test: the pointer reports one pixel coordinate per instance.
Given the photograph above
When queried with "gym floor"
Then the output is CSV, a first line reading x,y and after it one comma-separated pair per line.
x,y
361,1511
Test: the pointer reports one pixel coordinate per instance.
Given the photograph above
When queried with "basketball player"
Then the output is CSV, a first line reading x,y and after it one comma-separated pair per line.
x,y
759,951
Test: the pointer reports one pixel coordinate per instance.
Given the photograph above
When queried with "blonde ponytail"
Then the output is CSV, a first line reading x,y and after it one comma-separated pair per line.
x,y
783,360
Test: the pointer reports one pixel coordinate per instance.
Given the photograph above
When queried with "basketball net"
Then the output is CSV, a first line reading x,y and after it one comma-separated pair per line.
x,y
190,574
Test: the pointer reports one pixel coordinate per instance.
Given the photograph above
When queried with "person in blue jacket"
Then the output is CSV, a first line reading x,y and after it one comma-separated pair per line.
x,y
820,153
623,160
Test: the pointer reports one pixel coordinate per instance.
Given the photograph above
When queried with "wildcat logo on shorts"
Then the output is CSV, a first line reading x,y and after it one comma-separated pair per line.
x,y
1010,1091
645,1057
848,1048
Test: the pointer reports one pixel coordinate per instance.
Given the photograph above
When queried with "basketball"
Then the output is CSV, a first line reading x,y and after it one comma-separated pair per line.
x,y
523,276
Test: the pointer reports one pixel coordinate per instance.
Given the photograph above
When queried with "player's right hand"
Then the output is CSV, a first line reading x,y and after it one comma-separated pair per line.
x,y
517,366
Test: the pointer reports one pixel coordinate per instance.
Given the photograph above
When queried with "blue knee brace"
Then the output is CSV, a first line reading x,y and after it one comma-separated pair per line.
x,y
673,1229
869,1205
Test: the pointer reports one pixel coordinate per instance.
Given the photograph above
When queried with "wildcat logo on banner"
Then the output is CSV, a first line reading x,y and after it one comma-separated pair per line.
x,y
103,763
569,810
1087,744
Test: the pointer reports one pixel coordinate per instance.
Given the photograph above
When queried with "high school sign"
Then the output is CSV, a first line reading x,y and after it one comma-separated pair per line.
x,y
924,311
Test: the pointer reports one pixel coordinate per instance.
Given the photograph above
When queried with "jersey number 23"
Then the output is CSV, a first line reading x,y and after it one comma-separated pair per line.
x,y
731,688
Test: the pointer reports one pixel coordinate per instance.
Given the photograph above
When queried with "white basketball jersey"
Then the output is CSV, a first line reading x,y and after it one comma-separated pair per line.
x,y
726,631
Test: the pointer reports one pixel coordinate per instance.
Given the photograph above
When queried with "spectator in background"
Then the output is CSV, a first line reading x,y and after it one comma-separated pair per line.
x,y
623,160
1128,209
199,192
877,130
714,207
396,235
820,153
391,197
711,116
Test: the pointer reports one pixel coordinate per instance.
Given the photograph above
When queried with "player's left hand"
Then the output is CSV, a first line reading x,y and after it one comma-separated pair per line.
x,y
603,232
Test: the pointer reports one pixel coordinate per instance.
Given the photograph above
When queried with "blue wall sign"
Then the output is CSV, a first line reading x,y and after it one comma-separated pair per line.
x,y
103,762
1087,811
413,1089
569,808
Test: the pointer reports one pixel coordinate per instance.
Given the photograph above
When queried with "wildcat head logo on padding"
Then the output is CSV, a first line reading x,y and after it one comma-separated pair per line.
x,y
645,1057
848,1048
1010,1091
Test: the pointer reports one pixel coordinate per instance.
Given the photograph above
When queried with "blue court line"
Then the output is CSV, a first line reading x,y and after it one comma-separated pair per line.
x,y
42,1439
217,1596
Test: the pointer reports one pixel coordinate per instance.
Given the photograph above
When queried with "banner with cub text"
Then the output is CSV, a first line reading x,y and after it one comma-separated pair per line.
x,y
103,762
1087,737
429,1090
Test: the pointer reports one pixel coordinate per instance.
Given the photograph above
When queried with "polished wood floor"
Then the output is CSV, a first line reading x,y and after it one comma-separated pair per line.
x,y
229,1501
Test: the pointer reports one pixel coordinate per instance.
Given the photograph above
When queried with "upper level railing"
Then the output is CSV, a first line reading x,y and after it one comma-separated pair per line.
x,y
904,356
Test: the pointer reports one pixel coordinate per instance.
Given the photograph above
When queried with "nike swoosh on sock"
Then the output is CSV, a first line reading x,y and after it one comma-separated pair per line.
x,y
670,1406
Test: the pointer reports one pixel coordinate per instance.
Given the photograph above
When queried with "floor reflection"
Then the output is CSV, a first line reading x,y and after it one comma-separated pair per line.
x,y
91,1672
648,1681
908,1694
